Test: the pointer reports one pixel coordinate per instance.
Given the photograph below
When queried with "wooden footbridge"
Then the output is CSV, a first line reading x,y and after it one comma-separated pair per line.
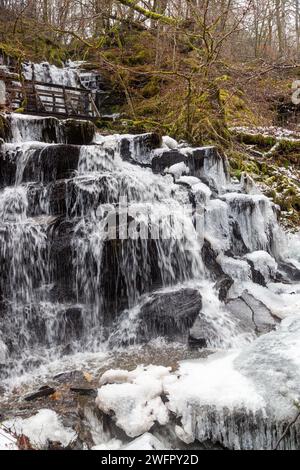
x,y
41,98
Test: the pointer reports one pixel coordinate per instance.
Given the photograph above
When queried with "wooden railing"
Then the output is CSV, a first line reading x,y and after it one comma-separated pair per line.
x,y
48,99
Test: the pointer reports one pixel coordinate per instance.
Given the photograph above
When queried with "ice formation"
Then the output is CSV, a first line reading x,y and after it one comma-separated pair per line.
x,y
134,238
45,426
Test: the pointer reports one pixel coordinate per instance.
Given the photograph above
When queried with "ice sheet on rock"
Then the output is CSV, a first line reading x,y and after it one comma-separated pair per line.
x,y
281,299
100,432
264,263
137,403
169,143
255,218
25,128
205,393
216,225
45,425
145,442
290,244
134,147
244,399
178,170
213,381
272,363
248,185
237,269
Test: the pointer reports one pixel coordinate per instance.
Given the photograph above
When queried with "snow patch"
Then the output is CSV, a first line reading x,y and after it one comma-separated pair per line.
x,y
45,425
137,403
7,441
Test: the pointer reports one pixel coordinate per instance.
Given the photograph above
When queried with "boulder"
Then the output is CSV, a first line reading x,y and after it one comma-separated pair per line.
x,y
251,314
169,314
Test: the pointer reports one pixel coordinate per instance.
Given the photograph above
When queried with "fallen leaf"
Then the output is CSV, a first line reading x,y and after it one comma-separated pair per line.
x,y
88,377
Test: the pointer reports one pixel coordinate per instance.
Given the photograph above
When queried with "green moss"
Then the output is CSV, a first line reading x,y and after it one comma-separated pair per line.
x,y
152,88
256,139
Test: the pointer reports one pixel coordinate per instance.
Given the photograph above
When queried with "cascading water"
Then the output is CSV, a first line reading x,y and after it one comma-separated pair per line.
x,y
113,241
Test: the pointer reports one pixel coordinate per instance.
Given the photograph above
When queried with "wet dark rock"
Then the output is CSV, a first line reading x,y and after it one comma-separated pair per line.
x,y
54,162
167,158
5,132
124,277
7,168
60,237
70,376
41,393
288,272
238,245
209,257
170,314
223,286
84,391
74,322
78,132
139,148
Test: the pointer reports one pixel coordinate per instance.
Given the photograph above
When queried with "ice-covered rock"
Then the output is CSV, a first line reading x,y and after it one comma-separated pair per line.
x,y
7,440
263,266
23,128
205,163
137,403
47,73
248,185
251,314
170,143
242,400
44,426
178,170
253,224
145,442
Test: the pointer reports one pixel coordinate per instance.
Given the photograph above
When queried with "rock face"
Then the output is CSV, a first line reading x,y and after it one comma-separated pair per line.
x,y
133,238
48,130
205,163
